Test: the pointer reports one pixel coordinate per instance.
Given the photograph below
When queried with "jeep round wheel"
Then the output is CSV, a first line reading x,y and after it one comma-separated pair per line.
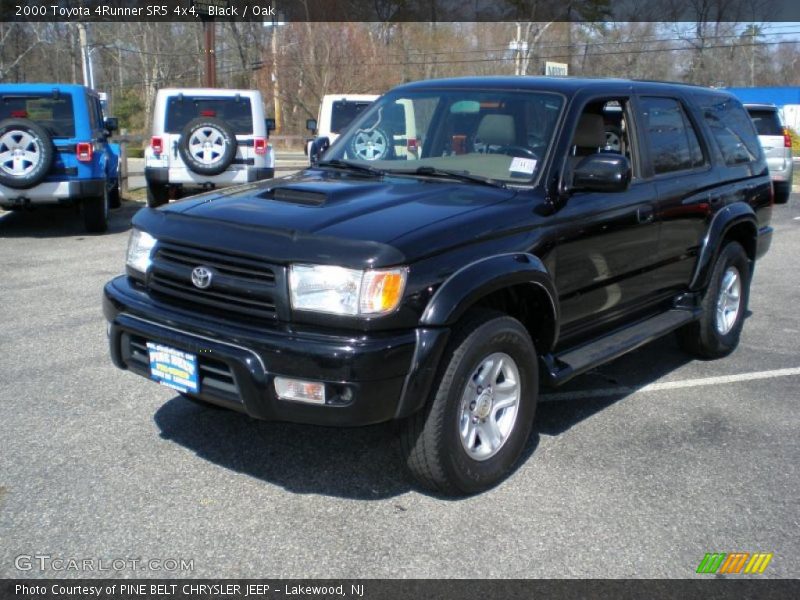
x,y
26,153
614,139
207,146
370,145
716,333
477,422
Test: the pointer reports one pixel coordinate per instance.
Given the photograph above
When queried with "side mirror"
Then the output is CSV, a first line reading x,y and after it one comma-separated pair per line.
x,y
318,146
602,173
270,124
111,124
311,125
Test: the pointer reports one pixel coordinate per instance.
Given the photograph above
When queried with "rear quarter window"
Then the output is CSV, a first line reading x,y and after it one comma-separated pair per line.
x,y
766,122
731,127
52,112
238,114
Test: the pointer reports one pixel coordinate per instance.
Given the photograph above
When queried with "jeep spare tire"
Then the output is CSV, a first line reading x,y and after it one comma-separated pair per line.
x,y
207,146
26,153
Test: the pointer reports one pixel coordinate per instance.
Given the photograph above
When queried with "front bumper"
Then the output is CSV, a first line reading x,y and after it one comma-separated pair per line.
x,y
387,375
52,192
234,175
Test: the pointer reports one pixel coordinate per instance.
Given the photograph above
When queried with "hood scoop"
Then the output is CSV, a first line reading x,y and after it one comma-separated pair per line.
x,y
296,196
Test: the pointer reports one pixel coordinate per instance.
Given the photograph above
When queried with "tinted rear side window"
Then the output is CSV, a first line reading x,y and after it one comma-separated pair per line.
x,y
236,113
343,113
673,141
766,122
731,127
54,113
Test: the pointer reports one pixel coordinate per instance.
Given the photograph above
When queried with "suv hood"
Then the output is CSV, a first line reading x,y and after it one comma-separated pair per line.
x,y
323,217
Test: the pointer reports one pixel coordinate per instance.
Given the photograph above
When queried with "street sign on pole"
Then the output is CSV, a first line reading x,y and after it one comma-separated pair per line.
x,y
556,69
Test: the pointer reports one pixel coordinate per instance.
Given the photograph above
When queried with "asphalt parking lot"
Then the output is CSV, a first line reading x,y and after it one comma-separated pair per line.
x,y
618,481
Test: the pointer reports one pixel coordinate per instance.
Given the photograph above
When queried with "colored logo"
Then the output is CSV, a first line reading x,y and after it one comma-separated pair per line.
x,y
735,562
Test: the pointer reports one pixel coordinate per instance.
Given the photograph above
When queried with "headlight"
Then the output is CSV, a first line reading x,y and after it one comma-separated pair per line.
x,y
140,245
340,291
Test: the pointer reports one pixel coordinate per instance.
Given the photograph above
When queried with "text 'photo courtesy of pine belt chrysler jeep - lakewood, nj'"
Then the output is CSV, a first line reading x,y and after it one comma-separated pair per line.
x,y
490,242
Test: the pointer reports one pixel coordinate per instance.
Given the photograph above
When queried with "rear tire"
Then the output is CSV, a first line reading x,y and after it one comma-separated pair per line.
x,y
157,195
472,432
716,333
95,213
782,193
114,198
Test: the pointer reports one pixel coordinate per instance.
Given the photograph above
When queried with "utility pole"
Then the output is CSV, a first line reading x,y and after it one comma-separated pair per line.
x,y
209,31
520,49
83,39
276,97
752,55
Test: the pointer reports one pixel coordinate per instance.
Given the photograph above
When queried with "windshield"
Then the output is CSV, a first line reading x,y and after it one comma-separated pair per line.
x,y
498,135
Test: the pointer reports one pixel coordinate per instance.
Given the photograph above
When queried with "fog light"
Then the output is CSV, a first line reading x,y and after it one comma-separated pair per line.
x,y
301,391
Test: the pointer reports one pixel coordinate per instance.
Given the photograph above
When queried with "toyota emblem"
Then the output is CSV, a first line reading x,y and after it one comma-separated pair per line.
x,y
201,277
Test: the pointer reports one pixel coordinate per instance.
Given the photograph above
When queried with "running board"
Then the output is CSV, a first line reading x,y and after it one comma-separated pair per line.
x,y
559,369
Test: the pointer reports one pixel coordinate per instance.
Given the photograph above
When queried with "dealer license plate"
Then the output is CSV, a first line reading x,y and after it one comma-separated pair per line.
x,y
173,368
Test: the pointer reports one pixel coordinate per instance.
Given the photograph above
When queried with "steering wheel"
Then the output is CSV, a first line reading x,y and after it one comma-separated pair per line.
x,y
521,151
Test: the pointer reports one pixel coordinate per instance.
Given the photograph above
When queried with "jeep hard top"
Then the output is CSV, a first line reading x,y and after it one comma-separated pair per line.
x,y
490,240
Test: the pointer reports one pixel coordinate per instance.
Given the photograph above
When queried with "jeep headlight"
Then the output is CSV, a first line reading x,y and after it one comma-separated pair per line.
x,y
140,247
341,291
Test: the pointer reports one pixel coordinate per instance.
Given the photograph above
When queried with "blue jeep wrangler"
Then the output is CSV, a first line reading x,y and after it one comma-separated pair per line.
x,y
54,149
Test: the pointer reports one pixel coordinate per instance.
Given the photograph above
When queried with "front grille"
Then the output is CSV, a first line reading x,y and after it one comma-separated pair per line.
x,y
241,288
214,376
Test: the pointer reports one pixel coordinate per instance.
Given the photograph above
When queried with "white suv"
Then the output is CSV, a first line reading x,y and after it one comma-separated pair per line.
x,y
336,111
777,145
206,137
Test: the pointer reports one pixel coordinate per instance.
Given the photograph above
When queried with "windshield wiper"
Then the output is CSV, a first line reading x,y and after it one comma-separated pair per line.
x,y
349,166
460,175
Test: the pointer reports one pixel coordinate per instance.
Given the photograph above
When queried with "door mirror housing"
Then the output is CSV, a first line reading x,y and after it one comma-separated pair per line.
x,y
318,147
270,125
111,124
311,125
604,172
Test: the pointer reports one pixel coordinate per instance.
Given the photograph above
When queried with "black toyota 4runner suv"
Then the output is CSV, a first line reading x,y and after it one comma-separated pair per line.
x,y
465,241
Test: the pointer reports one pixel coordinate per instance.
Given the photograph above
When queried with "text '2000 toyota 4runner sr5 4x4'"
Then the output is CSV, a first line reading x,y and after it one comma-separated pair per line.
x,y
490,240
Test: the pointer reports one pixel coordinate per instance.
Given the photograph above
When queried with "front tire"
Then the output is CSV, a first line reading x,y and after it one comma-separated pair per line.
x,y
716,333
475,427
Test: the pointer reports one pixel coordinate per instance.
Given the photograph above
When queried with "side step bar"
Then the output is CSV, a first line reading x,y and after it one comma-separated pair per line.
x,y
559,369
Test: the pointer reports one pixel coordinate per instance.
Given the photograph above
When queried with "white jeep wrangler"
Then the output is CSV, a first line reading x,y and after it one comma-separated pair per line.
x,y
206,137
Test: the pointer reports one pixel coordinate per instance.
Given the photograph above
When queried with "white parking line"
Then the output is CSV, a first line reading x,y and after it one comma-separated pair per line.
x,y
667,385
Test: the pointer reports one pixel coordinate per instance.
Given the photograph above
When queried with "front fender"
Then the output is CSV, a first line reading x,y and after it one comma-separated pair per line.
x,y
727,218
453,298
482,277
